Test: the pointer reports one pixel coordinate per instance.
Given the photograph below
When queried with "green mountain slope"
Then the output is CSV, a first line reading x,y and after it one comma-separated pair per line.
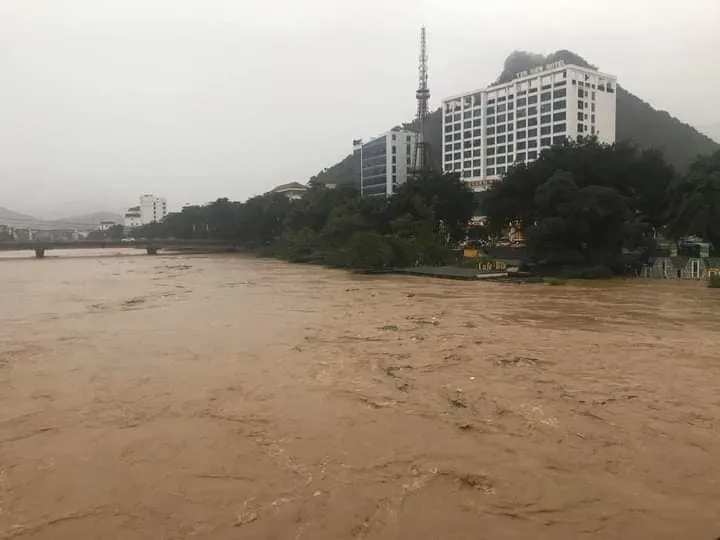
x,y
637,122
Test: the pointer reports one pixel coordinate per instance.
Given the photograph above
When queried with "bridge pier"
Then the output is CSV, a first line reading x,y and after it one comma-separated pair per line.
x,y
152,250
39,253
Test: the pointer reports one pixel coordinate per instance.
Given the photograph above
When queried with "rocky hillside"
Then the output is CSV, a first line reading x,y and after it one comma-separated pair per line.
x,y
637,122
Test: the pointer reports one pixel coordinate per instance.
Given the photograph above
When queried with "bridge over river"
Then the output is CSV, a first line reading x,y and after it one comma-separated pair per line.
x,y
151,246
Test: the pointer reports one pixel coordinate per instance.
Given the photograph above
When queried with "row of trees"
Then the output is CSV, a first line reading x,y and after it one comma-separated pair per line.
x,y
336,226
580,203
587,203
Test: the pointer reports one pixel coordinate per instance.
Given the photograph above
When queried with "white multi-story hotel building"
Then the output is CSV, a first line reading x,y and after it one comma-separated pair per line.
x,y
486,131
383,163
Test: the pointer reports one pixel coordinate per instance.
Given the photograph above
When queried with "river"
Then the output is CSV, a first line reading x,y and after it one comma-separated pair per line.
x,y
224,397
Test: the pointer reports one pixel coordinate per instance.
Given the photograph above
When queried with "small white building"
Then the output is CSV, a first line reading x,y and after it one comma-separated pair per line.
x,y
150,210
384,163
105,225
486,131
292,190
133,218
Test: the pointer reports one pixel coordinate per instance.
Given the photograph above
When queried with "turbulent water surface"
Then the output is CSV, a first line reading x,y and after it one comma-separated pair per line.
x,y
221,397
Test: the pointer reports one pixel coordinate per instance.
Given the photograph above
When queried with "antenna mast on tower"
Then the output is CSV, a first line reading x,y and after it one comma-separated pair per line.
x,y
420,159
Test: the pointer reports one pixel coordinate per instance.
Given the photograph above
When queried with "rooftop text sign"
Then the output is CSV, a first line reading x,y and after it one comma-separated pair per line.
x,y
539,69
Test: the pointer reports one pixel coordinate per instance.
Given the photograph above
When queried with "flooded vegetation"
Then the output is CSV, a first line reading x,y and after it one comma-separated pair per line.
x,y
224,397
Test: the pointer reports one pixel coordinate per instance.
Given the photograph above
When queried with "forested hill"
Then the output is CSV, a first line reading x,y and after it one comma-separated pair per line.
x,y
637,121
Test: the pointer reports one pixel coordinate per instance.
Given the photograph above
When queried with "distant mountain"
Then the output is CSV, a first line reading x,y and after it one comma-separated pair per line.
x,y
711,130
84,221
637,122
93,219
8,217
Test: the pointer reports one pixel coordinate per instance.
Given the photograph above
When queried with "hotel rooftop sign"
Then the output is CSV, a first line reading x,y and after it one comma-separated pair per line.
x,y
539,69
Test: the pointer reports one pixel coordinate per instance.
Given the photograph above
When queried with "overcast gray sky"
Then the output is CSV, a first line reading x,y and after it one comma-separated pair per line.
x,y
101,100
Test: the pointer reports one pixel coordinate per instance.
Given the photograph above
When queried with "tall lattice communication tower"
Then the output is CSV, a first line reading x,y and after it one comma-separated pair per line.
x,y
421,157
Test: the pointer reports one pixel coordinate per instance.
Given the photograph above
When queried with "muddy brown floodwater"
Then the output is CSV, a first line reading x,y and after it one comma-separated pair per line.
x,y
222,397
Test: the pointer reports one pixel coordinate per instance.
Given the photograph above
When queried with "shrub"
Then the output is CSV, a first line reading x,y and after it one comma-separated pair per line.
x,y
714,282
367,250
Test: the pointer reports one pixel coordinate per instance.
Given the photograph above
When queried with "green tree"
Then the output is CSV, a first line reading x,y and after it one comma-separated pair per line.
x,y
695,208
368,250
634,185
116,232
443,199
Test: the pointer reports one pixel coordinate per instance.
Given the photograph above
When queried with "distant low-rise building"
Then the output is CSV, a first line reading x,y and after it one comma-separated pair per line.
x,y
105,225
292,190
133,217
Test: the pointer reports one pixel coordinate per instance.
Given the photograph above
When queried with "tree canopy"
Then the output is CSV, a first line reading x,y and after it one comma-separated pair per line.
x,y
695,201
580,203
336,226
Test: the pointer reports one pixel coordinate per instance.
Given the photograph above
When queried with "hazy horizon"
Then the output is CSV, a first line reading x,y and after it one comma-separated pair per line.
x,y
104,100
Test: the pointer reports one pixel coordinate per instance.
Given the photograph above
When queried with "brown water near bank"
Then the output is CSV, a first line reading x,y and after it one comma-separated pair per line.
x,y
218,397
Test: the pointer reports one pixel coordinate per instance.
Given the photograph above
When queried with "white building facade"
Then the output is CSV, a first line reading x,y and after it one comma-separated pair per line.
x,y
151,209
384,163
486,131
